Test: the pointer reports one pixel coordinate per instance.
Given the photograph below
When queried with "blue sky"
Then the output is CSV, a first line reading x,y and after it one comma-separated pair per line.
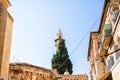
x,y
36,23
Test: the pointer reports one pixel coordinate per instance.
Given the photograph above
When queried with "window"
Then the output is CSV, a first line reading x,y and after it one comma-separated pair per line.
x,y
117,54
110,62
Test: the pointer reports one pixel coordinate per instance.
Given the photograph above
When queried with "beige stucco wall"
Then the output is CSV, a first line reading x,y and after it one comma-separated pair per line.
x,y
116,70
116,67
6,22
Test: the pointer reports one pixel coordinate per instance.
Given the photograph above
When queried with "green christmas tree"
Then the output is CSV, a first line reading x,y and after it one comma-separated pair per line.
x,y
60,60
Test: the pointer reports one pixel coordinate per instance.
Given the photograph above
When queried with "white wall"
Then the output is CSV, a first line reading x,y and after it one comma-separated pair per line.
x,y
116,70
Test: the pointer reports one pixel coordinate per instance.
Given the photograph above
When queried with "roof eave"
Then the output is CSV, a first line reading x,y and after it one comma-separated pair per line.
x,y
103,13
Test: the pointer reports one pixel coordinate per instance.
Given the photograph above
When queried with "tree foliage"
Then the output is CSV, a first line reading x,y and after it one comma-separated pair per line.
x,y
60,60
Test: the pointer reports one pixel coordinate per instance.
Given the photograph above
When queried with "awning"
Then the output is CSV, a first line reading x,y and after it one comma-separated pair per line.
x,y
106,76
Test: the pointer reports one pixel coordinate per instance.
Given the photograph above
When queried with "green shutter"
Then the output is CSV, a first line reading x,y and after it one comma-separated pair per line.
x,y
108,27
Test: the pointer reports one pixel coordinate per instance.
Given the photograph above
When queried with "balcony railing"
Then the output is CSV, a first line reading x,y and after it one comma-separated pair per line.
x,y
106,39
102,51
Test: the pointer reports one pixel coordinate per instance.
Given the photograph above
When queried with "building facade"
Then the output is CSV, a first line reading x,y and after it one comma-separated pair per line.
x,y
6,22
96,65
25,71
74,77
104,45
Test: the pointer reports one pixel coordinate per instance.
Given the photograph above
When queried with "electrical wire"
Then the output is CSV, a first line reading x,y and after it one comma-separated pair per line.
x,y
112,52
80,42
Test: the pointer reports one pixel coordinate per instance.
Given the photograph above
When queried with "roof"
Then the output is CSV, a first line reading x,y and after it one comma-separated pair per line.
x,y
103,16
66,72
29,65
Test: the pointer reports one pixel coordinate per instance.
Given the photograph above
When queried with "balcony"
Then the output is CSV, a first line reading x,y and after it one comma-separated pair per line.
x,y
102,51
107,35
104,40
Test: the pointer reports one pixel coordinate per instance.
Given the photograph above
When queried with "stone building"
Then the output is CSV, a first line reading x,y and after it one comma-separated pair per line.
x,y
6,23
25,71
96,65
104,45
74,77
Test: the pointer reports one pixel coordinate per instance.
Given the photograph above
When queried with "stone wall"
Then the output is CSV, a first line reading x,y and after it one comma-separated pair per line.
x,y
74,77
6,22
24,71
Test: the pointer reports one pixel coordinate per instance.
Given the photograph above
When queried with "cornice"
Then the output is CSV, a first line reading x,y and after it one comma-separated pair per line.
x,y
6,3
103,17
93,35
